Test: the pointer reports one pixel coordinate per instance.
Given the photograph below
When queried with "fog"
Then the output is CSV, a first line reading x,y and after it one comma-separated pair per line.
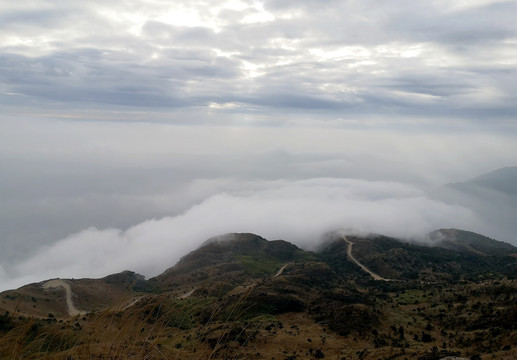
x,y
298,211
76,204
130,132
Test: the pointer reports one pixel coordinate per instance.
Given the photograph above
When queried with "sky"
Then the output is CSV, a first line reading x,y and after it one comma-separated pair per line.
x,y
132,131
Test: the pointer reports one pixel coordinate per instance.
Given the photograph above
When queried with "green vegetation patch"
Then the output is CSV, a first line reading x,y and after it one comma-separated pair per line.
x,y
303,256
259,265
187,313
411,297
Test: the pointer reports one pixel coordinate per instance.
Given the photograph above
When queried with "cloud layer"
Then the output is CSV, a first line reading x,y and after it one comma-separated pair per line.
x,y
298,211
340,60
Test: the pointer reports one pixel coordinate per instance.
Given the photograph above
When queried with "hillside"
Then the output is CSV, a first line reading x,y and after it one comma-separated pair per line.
x,y
469,242
405,261
88,295
492,197
231,259
242,296
502,180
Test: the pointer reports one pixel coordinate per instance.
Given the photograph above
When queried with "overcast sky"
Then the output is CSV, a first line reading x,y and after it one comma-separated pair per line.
x,y
140,128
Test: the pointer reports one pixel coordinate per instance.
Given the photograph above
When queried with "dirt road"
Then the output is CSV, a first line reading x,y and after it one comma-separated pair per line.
x,y
56,283
187,294
351,256
280,271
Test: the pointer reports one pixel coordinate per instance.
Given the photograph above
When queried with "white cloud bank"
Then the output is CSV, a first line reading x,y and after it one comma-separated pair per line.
x,y
298,211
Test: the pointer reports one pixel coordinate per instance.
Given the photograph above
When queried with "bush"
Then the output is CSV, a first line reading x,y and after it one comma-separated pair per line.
x,y
5,322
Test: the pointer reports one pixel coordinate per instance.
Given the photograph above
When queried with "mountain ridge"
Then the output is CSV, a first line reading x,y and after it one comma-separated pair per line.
x,y
468,241
242,296
502,180
235,258
492,199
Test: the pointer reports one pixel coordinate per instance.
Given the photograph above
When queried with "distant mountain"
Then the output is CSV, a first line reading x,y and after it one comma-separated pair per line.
x,y
492,197
502,180
470,242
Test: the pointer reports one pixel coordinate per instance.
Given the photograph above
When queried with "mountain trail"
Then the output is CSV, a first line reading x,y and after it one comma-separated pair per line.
x,y
351,256
132,302
281,270
187,294
56,283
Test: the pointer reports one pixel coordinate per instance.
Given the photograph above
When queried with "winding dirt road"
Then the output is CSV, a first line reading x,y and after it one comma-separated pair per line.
x,y
351,256
281,270
56,283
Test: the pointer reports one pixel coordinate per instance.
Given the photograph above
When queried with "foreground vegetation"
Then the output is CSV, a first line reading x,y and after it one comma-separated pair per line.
x,y
227,301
